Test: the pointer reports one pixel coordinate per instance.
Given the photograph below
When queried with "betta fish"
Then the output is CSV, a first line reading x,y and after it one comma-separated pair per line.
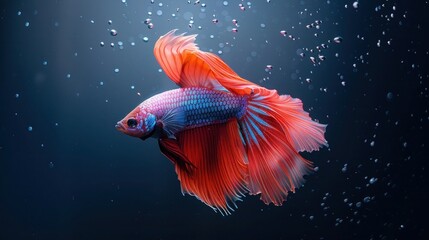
x,y
225,135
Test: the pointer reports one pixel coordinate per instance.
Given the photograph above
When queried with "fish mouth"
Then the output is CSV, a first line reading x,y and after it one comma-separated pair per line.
x,y
120,127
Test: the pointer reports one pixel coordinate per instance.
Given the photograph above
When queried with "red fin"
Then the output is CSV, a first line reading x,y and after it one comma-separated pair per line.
x,y
275,128
187,66
225,76
220,174
170,148
168,51
303,133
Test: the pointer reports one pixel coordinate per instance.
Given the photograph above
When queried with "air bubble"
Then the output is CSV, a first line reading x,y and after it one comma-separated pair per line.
x,y
113,32
389,96
338,39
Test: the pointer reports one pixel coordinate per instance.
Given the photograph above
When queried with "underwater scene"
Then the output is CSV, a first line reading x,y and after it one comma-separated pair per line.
x,y
215,119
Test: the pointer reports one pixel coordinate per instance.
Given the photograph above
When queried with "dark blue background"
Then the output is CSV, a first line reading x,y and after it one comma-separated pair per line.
x,y
75,177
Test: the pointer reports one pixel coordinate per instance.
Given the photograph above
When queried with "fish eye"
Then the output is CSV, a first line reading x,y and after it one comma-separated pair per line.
x,y
132,123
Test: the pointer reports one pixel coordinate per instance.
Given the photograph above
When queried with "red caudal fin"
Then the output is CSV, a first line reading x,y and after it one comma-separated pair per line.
x,y
301,131
219,176
275,128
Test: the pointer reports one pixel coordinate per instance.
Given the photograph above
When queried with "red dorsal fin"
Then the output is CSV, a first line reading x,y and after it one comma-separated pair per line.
x,y
219,176
168,51
187,66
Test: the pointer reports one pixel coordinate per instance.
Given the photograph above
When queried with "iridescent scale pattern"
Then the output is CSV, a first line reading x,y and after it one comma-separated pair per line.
x,y
201,106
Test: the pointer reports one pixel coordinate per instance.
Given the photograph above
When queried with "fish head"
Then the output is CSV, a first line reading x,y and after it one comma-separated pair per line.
x,y
138,123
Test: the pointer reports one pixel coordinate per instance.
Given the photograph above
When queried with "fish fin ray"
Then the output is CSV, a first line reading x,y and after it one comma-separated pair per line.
x,y
173,121
176,55
188,66
220,172
274,165
168,52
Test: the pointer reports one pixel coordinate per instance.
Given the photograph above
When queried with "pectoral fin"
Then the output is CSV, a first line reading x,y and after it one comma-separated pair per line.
x,y
173,121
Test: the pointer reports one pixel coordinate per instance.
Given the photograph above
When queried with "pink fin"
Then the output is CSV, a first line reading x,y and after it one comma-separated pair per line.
x,y
219,177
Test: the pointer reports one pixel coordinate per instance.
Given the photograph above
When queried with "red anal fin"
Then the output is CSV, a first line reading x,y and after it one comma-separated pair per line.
x,y
170,148
220,175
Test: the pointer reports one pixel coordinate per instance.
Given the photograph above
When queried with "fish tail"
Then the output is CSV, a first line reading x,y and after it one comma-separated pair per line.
x,y
275,128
